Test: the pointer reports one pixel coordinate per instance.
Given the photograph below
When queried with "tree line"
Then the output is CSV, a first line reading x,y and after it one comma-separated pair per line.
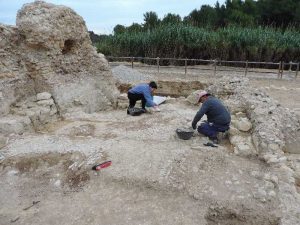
x,y
266,30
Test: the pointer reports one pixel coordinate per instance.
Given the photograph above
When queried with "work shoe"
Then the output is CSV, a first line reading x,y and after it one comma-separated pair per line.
x,y
210,145
214,140
222,135
135,111
129,110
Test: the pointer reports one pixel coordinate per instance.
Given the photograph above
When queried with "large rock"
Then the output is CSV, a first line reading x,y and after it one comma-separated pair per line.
x,y
292,144
193,97
243,124
14,124
3,142
49,50
43,96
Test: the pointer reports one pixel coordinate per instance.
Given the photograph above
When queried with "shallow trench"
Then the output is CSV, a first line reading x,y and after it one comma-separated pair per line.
x,y
225,215
171,88
97,198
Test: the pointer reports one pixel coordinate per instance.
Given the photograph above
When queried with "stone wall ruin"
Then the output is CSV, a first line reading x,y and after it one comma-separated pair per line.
x,y
262,128
49,50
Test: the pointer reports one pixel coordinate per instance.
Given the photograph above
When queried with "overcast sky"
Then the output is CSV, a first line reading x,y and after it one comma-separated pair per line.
x,y
101,16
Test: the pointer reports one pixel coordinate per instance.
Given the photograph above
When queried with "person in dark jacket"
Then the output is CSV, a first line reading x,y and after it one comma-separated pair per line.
x,y
218,117
143,92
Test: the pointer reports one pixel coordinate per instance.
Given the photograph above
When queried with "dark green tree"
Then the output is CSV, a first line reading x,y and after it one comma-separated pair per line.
x,y
237,12
207,16
220,11
193,18
297,15
151,20
279,13
119,29
134,28
171,19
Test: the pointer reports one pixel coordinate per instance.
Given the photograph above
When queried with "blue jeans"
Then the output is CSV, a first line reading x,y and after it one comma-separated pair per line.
x,y
211,130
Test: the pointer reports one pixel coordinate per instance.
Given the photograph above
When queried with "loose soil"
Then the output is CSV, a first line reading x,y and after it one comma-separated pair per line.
x,y
155,177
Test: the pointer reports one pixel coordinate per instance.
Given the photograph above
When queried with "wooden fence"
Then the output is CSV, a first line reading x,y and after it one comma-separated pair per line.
x,y
215,65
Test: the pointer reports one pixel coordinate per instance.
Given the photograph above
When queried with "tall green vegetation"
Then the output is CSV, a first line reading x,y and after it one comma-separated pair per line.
x,y
186,41
263,30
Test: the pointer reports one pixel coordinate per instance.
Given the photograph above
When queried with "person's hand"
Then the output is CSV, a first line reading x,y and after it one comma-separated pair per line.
x,y
156,108
194,126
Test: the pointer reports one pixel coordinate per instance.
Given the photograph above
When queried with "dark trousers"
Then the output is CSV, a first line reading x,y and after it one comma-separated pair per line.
x,y
211,130
135,97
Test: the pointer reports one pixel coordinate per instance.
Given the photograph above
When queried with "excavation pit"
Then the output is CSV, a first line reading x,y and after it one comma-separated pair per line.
x,y
49,81
240,216
171,88
151,172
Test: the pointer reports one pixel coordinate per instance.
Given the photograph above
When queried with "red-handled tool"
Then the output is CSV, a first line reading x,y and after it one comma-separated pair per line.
x,y
102,165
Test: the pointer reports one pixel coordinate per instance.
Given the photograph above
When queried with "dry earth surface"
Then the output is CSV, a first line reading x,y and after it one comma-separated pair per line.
x,y
155,178
61,113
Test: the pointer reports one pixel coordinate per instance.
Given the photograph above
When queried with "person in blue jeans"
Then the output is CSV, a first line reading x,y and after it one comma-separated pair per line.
x,y
143,92
218,117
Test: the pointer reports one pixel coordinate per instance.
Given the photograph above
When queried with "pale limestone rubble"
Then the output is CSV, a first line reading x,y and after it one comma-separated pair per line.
x,y
274,133
263,129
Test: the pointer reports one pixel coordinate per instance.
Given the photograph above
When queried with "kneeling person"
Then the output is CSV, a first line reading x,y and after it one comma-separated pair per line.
x,y
218,117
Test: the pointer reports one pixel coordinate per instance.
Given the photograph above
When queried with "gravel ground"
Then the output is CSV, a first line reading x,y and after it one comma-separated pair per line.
x,y
155,178
126,75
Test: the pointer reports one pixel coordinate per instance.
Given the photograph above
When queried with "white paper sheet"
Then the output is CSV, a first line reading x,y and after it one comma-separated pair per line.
x,y
159,99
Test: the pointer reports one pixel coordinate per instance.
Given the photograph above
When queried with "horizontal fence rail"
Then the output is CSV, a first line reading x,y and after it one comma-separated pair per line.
x,y
215,65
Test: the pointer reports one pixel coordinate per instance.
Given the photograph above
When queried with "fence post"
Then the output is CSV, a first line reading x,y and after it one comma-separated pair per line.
x,y
246,69
132,62
290,68
282,68
279,68
157,62
185,66
215,67
297,69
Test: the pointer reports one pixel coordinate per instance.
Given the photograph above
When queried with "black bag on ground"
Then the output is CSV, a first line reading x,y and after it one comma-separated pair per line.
x,y
135,111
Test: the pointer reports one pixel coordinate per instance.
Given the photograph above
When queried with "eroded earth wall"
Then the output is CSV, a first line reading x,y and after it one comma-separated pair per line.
x,y
49,51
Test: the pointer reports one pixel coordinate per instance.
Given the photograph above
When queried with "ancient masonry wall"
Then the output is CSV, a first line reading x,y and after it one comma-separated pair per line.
x,y
262,128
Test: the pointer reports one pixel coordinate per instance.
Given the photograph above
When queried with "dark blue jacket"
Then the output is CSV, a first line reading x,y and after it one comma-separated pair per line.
x,y
215,111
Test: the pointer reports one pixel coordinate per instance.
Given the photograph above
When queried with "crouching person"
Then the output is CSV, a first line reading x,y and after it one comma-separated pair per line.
x,y
143,92
218,117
